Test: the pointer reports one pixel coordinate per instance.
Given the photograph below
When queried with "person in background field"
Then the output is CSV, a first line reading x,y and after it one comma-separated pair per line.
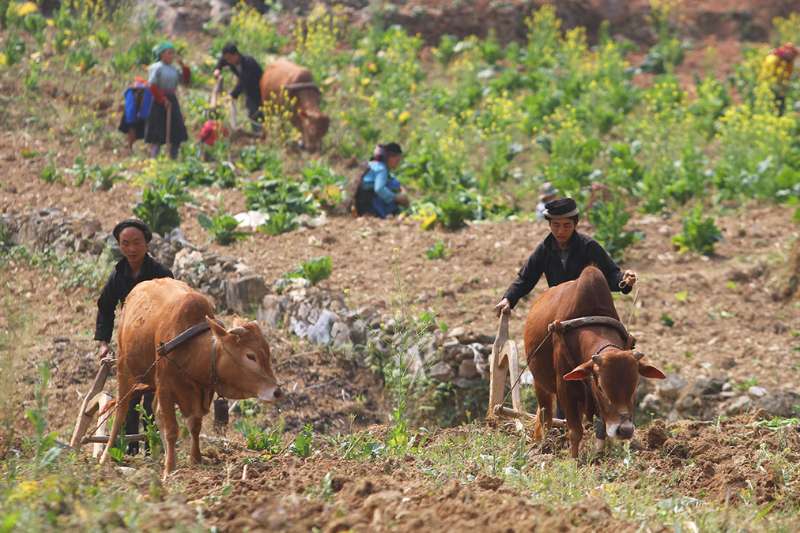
x,y
547,193
210,133
380,193
249,73
136,266
138,101
777,71
163,78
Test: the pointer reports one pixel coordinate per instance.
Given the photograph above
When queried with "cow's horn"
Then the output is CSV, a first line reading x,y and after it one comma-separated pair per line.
x,y
596,359
238,331
638,355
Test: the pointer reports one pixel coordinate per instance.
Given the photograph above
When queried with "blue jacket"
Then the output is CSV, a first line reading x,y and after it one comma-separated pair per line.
x,y
132,114
385,186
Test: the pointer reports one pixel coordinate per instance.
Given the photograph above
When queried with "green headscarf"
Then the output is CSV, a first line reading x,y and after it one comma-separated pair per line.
x,y
160,48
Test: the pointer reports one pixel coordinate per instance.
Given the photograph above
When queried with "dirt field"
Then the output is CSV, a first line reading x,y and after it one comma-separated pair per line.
x,y
726,324
693,316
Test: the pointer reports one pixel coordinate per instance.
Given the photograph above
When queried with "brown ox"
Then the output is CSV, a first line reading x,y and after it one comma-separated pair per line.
x,y
234,363
592,370
283,78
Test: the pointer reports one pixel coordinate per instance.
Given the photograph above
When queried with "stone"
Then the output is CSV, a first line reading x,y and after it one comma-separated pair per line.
x,y
463,383
480,359
250,220
358,332
320,332
272,310
651,403
757,392
455,333
780,403
242,295
738,405
413,359
441,371
669,389
468,370
221,11
340,334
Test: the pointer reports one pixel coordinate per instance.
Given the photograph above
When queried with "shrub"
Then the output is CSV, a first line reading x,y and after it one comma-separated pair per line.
x,y
609,219
222,228
699,234
253,158
280,221
438,250
453,213
757,156
301,447
251,31
314,270
82,59
260,439
325,184
13,51
49,173
279,195
316,40
159,205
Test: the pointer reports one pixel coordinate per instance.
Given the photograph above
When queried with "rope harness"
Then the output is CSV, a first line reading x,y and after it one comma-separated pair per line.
x,y
562,327
163,349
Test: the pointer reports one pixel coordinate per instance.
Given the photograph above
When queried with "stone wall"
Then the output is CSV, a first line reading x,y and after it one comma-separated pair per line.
x,y
318,315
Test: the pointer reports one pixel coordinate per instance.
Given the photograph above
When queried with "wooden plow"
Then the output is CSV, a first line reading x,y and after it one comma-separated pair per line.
x,y
94,403
504,367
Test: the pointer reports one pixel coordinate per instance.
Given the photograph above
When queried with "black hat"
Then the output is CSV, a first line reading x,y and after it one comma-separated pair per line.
x,y
133,223
561,208
392,148
230,48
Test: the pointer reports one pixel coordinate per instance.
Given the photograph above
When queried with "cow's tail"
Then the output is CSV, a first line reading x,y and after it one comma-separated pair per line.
x,y
139,387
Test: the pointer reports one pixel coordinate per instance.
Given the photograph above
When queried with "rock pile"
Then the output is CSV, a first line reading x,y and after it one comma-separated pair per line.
x,y
705,398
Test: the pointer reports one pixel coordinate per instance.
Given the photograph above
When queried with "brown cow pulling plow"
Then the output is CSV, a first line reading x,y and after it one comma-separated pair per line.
x,y
579,352
207,358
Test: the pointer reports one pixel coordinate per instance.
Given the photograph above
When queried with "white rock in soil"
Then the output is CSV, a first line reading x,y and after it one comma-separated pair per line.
x,y
738,405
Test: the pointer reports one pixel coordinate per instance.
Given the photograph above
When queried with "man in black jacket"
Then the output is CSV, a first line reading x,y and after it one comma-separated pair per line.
x,y
249,73
562,256
136,266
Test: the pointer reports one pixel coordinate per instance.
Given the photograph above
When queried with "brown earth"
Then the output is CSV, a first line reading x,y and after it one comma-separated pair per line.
x,y
725,319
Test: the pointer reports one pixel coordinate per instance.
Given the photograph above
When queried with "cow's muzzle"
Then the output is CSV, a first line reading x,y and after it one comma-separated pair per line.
x,y
625,430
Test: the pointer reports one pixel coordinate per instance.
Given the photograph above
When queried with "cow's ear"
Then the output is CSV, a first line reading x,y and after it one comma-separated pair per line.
x,y
580,372
650,371
216,327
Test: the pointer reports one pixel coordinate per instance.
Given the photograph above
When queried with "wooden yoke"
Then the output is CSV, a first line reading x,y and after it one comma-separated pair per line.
x,y
504,358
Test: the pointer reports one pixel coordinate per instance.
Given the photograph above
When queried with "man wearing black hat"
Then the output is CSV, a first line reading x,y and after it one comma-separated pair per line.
x,y
249,73
562,256
136,266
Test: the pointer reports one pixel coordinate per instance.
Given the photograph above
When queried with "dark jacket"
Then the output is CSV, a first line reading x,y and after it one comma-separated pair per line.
x,y
249,74
583,251
119,284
